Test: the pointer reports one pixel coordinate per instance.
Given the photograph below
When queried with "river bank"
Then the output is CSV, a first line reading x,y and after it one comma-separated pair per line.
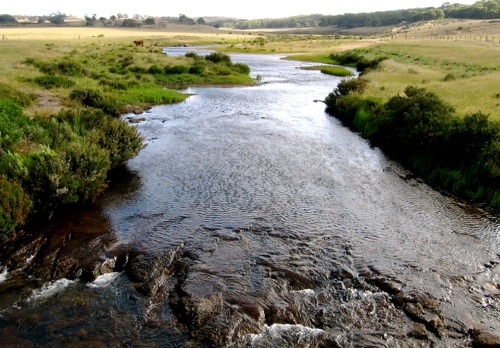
x,y
59,108
455,153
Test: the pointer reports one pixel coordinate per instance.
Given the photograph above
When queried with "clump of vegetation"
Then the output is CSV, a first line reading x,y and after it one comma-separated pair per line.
x,y
449,77
459,154
218,57
15,205
354,59
53,81
66,67
336,71
95,99
19,97
47,163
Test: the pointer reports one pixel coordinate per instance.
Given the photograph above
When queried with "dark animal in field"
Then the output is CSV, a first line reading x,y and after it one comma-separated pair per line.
x,y
139,43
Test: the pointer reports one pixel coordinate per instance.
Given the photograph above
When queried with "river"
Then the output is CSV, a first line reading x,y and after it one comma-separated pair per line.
x,y
254,219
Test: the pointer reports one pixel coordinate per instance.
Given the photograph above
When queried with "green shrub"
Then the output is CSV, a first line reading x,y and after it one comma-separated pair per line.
x,y
197,69
94,98
346,57
126,61
176,69
137,69
12,124
241,68
15,205
20,98
65,67
352,58
218,57
193,55
155,69
121,141
336,71
113,84
53,81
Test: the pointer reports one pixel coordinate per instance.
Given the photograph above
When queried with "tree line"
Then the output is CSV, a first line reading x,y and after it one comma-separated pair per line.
x,y
483,9
120,19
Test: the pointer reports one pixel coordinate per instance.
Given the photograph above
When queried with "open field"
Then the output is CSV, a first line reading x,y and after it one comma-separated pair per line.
x,y
188,32
105,62
465,74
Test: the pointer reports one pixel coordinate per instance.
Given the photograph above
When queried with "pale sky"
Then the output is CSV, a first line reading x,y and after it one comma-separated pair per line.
x,y
202,8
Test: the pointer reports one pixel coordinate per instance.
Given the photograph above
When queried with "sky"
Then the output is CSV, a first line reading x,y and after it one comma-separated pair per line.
x,y
253,9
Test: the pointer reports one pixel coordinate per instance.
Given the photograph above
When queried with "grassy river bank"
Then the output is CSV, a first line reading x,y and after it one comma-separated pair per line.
x,y
59,101
434,106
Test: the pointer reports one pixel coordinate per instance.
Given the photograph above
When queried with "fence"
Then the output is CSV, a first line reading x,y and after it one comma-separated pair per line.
x,y
483,38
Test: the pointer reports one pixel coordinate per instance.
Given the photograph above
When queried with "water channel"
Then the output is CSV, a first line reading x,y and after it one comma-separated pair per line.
x,y
254,219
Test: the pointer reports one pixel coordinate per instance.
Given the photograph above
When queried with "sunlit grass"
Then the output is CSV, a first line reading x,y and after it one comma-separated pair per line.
x,y
331,70
106,67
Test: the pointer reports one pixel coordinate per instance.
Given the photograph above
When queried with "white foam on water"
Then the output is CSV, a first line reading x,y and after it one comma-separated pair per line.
x,y
50,289
300,333
103,280
3,275
306,292
28,259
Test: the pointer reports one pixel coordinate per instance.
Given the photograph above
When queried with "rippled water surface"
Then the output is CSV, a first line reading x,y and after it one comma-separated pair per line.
x,y
267,223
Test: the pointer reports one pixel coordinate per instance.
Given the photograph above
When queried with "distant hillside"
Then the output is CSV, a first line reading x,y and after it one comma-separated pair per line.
x,y
483,9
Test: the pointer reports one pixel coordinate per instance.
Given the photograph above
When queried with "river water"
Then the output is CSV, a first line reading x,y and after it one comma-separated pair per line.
x,y
254,219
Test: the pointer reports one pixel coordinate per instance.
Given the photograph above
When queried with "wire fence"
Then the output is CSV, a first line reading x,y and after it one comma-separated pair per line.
x,y
479,38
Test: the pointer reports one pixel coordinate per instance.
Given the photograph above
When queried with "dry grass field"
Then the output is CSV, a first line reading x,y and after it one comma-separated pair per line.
x,y
190,32
463,71
465,74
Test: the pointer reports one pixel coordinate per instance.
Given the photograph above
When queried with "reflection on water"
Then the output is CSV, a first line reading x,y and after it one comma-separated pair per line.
x,y
252,218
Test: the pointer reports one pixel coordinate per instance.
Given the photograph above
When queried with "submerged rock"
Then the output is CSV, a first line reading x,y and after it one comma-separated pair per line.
x,y
484,339
147,270
419,332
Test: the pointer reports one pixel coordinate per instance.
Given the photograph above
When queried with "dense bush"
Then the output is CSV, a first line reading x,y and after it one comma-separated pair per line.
x,y
48,163
346,57
241,68
218,57
113,84
176,69
416,123
197,69
193,55
461,155
53,81
137,69
12,124
94,98
65,67
15,205
21,98
155,69
352,58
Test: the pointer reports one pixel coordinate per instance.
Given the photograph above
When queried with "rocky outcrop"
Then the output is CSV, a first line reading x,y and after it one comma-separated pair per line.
x,y
148,271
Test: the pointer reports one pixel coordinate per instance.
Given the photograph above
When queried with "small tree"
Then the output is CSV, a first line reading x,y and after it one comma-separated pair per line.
x,y
57,18
130,23
7,19
201,21
150,20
